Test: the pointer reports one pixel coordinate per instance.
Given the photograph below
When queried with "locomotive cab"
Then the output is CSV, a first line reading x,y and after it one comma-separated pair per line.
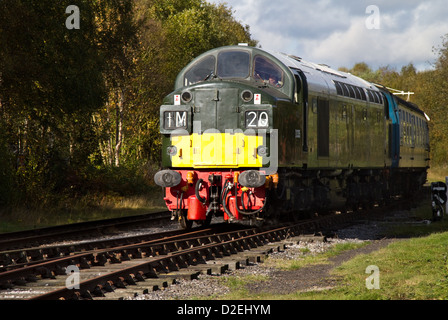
x,y
238,63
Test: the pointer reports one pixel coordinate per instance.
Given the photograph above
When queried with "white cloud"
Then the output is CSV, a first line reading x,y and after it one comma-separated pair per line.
x,y
377,47
334,32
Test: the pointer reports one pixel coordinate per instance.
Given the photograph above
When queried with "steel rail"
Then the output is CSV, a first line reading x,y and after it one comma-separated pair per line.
x,y
49,269
174,261
152,267
13,259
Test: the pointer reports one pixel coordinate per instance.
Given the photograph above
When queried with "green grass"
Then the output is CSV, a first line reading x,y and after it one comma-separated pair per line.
x,y
409,269
238,284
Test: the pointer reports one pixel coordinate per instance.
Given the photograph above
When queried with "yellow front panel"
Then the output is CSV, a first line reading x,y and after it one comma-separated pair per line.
x,y
216,150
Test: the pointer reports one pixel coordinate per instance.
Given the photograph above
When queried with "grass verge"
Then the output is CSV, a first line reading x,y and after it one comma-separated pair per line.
x,y
408,269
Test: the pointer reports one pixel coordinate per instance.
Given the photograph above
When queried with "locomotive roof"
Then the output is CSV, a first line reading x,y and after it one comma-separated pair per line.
x,y
320,77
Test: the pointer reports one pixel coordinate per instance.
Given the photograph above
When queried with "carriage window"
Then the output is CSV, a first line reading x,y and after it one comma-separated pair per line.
x,y
338,88
363,94
233,64
357,92
380,98
267,71
345,90
351,91
200,70
371,98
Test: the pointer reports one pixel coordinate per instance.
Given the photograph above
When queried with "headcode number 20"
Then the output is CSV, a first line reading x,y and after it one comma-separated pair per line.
x,y
257,119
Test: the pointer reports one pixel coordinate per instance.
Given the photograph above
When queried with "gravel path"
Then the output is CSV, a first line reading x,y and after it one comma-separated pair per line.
x,y
316,277
312,278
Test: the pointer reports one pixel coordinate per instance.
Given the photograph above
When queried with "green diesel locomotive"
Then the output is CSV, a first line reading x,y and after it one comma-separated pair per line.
x,y
250,134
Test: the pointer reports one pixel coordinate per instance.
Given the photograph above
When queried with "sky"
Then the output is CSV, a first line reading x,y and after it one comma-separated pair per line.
x,y
340,33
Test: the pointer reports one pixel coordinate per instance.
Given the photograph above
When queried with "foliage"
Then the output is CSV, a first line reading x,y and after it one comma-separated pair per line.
x,y
80,106
51,81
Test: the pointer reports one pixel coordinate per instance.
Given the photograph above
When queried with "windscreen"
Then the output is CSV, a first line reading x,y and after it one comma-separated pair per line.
x,y
200,71
233,64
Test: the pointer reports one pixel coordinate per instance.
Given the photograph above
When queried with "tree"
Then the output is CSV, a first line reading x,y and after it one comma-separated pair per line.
x,y
119,44
435,98
51,78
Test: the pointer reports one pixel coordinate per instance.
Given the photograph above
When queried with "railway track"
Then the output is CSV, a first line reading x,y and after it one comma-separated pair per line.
x,y
30,238
95,269
152,261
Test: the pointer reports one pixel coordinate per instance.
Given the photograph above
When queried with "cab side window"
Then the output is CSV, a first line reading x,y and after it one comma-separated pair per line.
x,y
268,72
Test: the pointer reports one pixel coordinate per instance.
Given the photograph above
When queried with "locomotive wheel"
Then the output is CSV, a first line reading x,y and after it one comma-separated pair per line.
x,y
184,222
